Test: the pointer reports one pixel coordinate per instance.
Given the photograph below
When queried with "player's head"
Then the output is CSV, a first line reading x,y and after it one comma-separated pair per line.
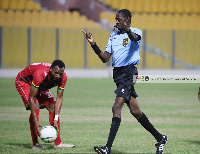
x,y
57,70
58,63
123,17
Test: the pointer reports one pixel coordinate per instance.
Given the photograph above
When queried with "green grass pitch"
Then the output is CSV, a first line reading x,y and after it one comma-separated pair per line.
x,y
86,117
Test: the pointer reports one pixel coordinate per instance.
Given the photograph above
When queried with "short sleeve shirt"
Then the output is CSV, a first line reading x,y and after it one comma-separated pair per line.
x,y
37,75
124,51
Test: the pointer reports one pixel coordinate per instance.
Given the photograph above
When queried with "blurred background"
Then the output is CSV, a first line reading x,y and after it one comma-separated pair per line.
x,y
34,31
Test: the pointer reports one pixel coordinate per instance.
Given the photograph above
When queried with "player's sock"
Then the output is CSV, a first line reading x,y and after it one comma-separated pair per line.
x,y
34,134
143,120
113,131
51,119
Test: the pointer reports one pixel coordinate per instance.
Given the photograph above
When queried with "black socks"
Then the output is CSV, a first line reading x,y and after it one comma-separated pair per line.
x,y
143,120
113,131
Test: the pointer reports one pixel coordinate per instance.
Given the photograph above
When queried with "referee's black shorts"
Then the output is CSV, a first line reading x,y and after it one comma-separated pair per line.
x,y
123,77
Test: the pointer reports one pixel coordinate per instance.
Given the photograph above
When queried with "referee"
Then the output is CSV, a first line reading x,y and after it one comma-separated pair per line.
x,y
123,45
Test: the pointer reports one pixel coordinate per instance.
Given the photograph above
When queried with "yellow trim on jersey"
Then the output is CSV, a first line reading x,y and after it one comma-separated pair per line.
x,y
61,89
34,86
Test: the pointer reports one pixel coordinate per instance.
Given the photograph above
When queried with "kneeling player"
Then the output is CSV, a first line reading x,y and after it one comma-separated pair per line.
x,y
33,84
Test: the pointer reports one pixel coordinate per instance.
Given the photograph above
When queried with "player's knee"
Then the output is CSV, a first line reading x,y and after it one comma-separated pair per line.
x,y
136,113
37,106
116,108
50,108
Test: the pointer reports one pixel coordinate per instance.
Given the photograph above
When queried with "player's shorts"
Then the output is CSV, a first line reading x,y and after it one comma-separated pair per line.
x,y
123,77
43,97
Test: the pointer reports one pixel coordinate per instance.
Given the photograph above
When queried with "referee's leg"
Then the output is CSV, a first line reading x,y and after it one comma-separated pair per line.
x,y
117,107
116,120
142,119
134,108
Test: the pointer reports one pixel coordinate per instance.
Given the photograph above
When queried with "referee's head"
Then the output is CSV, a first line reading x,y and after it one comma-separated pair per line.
x,y
125,13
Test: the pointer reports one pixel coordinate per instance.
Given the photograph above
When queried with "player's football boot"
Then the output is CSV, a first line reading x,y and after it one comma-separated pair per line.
x,y
64,145
160,145
102,150
38,147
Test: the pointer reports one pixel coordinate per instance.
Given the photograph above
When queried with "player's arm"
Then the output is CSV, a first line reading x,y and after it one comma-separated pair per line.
x,y
199,94
133,36
104,56
32,95
58,107
58,102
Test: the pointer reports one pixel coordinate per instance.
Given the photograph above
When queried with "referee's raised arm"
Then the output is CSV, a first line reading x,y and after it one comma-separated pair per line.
x,y
104,56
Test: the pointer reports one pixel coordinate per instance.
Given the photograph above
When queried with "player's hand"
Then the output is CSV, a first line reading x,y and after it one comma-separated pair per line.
x,y
38,126
88,36
55,124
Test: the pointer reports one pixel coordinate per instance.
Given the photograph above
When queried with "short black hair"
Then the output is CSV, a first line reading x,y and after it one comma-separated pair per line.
x,y
58,63
125,13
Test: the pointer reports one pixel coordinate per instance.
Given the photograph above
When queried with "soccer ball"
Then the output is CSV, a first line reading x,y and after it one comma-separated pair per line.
x,y
48,134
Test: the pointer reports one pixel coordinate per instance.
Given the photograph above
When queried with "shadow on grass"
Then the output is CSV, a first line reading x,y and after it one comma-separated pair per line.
x,y
117,152
193,141
29,146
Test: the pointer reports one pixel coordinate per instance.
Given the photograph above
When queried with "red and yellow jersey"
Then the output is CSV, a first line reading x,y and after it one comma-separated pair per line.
x,y
37,75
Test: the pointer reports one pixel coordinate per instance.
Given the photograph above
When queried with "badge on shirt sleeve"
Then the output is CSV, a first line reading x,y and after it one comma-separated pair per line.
x,y
125,42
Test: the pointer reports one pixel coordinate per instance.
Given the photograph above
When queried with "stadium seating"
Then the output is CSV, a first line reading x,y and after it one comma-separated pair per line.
x,y
157,17
19,5
45,19
32,15
155,6
158,21
15,47
2,17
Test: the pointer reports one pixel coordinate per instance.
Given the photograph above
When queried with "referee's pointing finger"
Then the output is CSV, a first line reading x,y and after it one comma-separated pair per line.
x,y
88,35
84,32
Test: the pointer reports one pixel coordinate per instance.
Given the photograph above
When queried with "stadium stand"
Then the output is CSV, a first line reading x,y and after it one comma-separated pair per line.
x,y
19,5
15,47
156,6
45,19
158,18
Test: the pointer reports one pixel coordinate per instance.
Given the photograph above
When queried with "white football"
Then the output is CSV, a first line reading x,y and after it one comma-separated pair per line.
x,y
48,134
